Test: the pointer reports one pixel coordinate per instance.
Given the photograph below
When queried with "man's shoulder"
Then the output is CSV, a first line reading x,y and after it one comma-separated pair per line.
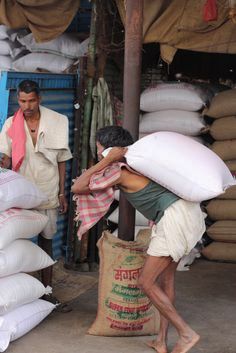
x,y
52,113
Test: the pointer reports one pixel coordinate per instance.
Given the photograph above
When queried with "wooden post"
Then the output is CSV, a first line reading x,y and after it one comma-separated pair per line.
x,y
132,77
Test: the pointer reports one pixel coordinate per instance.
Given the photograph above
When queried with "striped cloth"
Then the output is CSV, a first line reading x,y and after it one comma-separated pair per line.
x,y
90,208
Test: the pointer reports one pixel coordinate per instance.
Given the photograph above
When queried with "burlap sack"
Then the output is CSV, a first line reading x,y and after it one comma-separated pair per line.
x,y
224,128
223,104
219,210
219,251
226,150
224,231
230,194
231,165
123,309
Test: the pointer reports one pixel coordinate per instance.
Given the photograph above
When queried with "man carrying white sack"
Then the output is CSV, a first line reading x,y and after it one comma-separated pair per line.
x,y
178,226
35,142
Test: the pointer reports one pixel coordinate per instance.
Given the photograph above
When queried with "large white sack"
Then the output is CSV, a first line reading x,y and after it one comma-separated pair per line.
x,y
66,44
182,165
140,220
17,191
181,96
18,322
181,121
23,256
43,62
5,63
18,223
19,289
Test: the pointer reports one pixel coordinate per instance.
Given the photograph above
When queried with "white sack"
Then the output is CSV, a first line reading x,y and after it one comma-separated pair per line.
x,y
182,165
5,63
22,320
67,45
43,62
18,223
23,256
184,122
19,289
180,96
9,48
17,191
140,220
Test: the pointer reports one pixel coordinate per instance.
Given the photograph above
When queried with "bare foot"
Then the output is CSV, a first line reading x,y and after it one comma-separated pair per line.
x,y
185,343
158,346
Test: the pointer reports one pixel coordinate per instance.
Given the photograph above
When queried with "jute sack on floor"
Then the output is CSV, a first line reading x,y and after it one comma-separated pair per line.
x,y
222,104
123,309
220,251
229,194
224,231
224,128
219,210
226,150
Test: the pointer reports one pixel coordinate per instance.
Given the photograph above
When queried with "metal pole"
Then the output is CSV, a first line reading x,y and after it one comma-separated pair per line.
x,y
132,77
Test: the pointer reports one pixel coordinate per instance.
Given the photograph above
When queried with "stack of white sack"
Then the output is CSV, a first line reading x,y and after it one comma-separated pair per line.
x,y
10,49
141,222
20,306
175,107
222,211
57,55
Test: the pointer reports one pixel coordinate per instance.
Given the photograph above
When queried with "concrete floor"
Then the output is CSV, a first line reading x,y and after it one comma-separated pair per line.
x,y
206,297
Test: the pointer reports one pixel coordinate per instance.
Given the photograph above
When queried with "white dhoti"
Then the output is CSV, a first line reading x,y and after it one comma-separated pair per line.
x,y
178,231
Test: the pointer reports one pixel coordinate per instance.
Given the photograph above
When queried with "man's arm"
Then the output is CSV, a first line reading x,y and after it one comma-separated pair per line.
x,y
81,184
61,196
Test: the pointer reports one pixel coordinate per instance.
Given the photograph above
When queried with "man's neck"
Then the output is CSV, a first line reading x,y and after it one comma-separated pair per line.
x,y
34,117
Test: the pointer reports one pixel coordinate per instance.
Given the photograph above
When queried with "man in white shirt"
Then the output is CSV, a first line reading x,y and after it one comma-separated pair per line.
x,y
43,160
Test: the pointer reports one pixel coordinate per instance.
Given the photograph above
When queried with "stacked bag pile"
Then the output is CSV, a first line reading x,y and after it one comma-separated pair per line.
x,y
10,48
57,55
20,306
222,210
175,107
20,52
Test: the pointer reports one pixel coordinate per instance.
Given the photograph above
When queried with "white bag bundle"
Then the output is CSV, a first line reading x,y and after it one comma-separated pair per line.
x,y
18,322
67,45
182,165
43,62
140,220
18,223
19,289
181,121
17,191
3,32
5,63
180,96
23,256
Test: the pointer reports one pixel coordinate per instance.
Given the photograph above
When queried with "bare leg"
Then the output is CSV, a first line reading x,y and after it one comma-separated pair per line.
x,y
153,268
167,284
46,273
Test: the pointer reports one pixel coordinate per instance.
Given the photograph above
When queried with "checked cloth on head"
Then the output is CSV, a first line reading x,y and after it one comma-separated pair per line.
x,y
90,208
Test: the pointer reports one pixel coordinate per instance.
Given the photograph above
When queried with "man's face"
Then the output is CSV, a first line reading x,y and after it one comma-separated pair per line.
x,y
100,149
29,103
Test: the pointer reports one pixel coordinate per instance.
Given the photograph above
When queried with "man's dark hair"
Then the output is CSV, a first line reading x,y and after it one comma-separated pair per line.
x,y
28,86
114,136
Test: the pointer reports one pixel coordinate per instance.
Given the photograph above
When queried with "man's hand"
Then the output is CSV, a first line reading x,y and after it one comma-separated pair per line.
x,y
63,204
116,154
5,161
